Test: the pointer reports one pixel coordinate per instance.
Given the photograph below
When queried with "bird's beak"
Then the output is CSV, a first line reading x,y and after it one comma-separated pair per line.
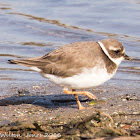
x,y
126,57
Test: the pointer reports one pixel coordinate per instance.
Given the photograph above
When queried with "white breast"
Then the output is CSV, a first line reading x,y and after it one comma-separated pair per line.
x,y
87,79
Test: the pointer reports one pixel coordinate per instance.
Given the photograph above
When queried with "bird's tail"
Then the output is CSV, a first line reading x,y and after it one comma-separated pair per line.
x,y
38,63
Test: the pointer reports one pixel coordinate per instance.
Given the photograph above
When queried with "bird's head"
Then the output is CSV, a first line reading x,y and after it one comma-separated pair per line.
x,y
114,50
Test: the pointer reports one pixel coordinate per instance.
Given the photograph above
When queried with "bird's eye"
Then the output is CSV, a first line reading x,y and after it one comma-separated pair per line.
x,y
117,51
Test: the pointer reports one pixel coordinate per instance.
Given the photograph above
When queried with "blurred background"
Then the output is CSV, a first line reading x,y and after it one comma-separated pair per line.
x,y
32,28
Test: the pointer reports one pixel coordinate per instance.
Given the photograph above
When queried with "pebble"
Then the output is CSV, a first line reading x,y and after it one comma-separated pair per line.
x,y
127,98
122,125
136,113
116,124
61,127
115,113
133,98
52,118
40,110
124,100
36,87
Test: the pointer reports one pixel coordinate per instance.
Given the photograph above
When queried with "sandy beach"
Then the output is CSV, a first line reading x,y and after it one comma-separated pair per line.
x,y
56,116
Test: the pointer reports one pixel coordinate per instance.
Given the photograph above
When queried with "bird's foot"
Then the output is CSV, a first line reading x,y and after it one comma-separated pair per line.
x,y
81,107
89,95
75,93
86,93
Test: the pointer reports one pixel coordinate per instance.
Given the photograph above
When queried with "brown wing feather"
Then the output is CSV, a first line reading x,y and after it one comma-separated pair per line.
x,y
70,59
64,61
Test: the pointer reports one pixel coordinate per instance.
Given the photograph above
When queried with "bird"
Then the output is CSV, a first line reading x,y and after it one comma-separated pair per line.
x,y
79,65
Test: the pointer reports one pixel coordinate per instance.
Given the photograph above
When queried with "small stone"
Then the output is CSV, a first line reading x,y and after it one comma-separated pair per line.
x,y
40,110
36,87
116,124
133,98
115,113
22,92
127,98
51,118
124,100
61,127
136,113
125,117
122,125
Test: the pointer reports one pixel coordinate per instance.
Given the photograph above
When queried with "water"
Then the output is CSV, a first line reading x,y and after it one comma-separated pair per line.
x,y
33,28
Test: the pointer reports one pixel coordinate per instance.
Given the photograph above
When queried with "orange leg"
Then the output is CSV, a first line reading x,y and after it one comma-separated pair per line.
x,y
78,102
86,93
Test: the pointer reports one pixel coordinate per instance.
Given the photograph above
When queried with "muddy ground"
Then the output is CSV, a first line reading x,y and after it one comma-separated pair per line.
x,y
37,114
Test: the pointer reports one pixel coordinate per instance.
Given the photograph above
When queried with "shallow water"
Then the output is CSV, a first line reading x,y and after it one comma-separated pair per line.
x,y
33,28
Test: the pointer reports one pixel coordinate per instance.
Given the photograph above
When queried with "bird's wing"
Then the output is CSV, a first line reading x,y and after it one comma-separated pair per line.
x,y
64,61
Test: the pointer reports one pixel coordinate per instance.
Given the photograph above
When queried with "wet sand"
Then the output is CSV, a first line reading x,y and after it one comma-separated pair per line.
x,y
53,114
